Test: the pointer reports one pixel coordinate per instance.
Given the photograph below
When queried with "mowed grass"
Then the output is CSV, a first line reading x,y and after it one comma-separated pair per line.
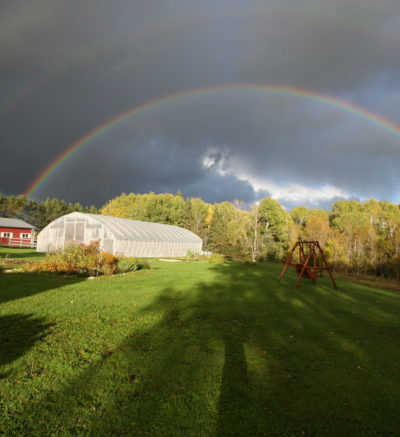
x,y
15,258
24,254
193,349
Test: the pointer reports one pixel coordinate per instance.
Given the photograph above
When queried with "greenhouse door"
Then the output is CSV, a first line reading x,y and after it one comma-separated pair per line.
x,y
69,232
79,232
74,232
108,245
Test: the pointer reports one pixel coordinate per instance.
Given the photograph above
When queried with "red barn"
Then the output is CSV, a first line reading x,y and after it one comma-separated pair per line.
x,y
16,232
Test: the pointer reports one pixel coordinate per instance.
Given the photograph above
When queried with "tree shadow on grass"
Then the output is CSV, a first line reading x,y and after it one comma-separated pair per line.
x,y
241,355
236,394
18,334
19,285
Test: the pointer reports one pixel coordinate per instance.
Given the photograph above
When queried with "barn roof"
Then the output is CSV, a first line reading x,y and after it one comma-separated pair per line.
x,y
14,223
126,229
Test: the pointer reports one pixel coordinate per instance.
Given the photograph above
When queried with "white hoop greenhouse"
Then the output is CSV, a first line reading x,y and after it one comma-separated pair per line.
x,y
118,236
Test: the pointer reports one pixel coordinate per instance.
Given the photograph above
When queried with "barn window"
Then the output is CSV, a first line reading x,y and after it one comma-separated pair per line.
x,y
25,235
7,234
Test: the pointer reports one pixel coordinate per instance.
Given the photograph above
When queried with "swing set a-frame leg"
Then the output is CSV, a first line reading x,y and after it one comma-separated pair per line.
x,y
327,267
302,270
289,258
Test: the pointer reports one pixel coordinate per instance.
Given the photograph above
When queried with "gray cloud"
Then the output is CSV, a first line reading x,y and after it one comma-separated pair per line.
x,y
144,167
331,47
67,67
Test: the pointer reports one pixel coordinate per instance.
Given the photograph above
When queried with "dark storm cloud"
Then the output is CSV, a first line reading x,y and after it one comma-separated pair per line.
x,y
332,46
143,167
68,66
152,151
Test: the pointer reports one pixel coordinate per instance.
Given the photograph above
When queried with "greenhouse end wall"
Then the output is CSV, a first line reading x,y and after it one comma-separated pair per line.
x,y
118,236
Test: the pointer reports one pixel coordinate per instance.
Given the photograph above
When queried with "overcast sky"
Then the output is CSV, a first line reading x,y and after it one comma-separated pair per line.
x,y
68,66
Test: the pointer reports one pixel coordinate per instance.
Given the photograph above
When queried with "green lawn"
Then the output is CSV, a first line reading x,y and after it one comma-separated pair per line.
x,y
20,254
192,349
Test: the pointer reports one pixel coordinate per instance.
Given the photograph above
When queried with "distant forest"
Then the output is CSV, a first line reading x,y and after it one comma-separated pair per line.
x,y
357,237
39,214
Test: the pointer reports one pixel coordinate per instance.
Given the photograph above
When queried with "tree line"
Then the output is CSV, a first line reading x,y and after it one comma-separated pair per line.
x,y
361,237
39,214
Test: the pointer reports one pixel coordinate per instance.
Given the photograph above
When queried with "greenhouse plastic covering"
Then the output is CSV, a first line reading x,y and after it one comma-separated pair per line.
x,y
118,236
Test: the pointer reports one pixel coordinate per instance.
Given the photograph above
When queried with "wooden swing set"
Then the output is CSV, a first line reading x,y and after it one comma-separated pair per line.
x,y
309,254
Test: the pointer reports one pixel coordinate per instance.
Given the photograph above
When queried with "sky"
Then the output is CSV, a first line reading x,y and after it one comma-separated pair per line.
x,y
224,99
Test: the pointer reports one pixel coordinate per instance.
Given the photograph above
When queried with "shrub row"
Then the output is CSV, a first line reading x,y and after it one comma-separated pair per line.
x,y
86,259
216,258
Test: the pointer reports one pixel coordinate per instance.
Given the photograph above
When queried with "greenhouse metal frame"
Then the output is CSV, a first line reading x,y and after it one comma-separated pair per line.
x,y
118,236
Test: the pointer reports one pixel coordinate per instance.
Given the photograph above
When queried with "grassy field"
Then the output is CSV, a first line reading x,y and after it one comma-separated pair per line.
x,y
17,253
193,349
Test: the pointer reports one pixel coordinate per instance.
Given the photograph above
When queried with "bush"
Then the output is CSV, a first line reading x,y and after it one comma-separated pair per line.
x,y
85,259
108,264
193,257
190,256
248,259
131,264
216,258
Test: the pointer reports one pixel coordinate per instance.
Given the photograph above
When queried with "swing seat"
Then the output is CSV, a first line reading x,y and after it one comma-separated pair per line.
x,y
306,273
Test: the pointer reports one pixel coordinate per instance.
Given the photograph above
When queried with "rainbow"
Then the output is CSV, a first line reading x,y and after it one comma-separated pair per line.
x,y
334,102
